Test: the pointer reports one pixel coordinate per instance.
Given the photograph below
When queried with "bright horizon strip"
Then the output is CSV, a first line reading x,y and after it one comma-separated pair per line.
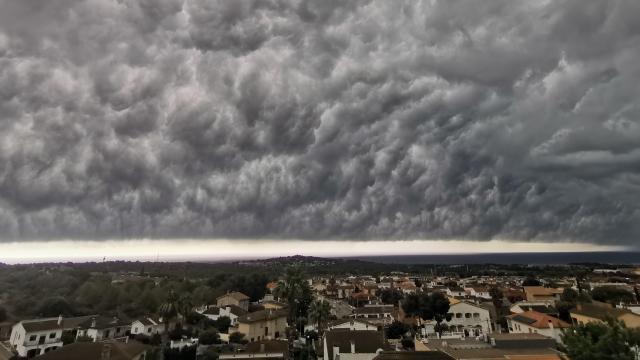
x,y
220,250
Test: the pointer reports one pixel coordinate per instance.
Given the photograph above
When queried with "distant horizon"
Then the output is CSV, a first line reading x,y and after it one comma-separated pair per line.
x,y
234,250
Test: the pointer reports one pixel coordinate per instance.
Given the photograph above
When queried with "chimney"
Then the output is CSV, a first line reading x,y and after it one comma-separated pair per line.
x,y
336,352
353,347
59,319
93,321
551,325
106,352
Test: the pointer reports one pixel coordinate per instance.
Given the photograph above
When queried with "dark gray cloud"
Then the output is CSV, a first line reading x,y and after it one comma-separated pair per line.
x,y
320,119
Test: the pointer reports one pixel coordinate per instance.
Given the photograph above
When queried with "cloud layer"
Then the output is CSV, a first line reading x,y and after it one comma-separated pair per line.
x,y
320,119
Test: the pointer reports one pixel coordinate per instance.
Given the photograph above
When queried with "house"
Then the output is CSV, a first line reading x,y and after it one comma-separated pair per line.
x,y
599,312
339,308
533,322
478,292
541,293
146,326
376,314
413,355
634,308
100,328
265,324
456,292
499,346
408,287
541,307
468,319
233,312
38,336
344,344
370,289
234,298
344,291
258,350
352,324
131,350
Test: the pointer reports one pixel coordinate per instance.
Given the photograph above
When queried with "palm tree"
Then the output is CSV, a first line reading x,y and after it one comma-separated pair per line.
x,y
169,309
319,313
185,306
295,291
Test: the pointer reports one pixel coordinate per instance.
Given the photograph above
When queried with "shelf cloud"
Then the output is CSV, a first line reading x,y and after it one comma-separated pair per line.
x,y
287,119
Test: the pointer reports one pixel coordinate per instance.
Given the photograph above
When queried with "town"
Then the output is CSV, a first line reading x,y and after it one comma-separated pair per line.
x,y
315,308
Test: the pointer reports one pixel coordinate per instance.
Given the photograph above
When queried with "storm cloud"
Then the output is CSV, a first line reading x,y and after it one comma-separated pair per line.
x,y
515,120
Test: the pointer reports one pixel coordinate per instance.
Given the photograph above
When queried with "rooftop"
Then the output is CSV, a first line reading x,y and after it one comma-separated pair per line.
x,y
94,351
538,320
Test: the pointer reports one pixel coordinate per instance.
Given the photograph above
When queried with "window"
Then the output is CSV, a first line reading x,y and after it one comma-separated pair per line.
x,y
476,315
467,315
458,315
149,330
33,337
52,336
135,330
117,329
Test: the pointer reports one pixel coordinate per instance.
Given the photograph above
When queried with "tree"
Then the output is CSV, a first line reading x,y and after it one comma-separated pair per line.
x,y
496,298
531,281
391,296
55,306
600,341
223,323
237,338
397,330
434,306
296,292
569,295
209,337
169,310
319,313
68,337
185,305
612,294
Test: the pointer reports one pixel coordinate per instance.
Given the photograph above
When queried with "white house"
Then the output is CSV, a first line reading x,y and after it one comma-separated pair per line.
x,y
478,291
146,326
101,328
231,311
30,338
533,322
469,319
376,314
352,324
456,292
352,345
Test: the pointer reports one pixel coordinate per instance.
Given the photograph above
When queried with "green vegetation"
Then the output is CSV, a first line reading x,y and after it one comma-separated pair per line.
x,y
612,294
601,341
123,289
319,313
396,330
209,337
434,306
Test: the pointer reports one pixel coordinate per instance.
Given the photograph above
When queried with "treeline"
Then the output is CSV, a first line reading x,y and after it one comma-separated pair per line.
x,y
70,290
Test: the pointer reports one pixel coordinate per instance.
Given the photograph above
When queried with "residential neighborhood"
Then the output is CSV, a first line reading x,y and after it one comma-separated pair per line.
x,y
299,313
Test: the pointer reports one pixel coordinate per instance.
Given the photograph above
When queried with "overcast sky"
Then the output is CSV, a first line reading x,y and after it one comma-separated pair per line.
x,y
343,120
